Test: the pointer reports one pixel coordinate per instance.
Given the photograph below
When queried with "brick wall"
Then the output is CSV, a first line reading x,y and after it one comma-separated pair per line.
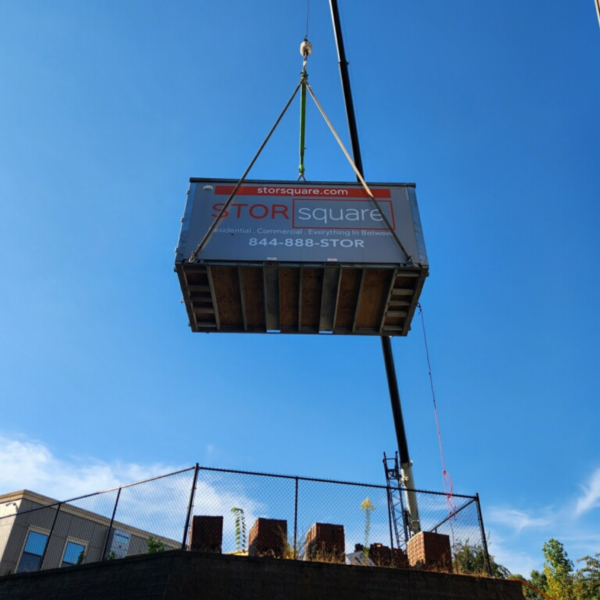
x,y
179,575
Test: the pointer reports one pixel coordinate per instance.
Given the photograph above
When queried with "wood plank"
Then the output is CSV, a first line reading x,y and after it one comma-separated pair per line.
x,y
388,299
227,296
360,291
347,299
289,298
312,290
242,298
271,291
411,311
373,299
254,298
183,282
198,310
199,288
331,286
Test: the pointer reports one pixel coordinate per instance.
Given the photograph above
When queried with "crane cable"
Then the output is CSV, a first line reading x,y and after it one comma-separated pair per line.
x,y
448,484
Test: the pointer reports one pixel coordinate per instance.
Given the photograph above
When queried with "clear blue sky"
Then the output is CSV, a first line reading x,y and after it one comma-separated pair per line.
x,y
492,108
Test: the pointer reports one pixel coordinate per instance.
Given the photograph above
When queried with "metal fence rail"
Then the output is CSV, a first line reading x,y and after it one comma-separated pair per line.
x,y
155,515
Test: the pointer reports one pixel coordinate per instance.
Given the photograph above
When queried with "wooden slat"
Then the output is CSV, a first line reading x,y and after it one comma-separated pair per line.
x,y
331,284
271,291
227,293
417,292
254,298
289,294
242,298
183,281
373,299
360,290
213,296
347,297
199,288
203,310
312,289
388,299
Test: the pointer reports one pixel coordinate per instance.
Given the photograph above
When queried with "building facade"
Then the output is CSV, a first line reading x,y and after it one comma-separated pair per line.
x,y
37,532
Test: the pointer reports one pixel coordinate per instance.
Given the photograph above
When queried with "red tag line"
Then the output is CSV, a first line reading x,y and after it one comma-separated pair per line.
x,y
308,193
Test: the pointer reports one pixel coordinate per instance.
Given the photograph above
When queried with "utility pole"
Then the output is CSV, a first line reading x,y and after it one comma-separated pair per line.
x,y
386,346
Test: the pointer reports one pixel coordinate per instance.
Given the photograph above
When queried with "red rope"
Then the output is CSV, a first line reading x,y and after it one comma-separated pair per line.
x,y
448,485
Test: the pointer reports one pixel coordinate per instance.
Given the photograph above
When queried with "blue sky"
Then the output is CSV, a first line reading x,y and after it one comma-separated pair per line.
x,y
106,111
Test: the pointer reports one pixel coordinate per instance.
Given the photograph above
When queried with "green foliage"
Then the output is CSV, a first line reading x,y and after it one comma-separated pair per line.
x,y
80,558
470,559
368,507
240,529
112,555
558,569
559,579
587,581
155,545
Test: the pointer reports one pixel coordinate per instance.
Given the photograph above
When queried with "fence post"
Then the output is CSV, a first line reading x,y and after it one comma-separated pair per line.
x,y
190,507
50,536
112,520
485,546
392,554
296,521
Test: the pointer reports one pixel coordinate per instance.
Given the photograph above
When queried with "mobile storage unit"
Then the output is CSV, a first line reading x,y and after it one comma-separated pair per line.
x,y
301,257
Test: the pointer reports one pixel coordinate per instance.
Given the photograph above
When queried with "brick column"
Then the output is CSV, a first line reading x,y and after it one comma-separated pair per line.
x,y
206,534
430,550
268,537
325,542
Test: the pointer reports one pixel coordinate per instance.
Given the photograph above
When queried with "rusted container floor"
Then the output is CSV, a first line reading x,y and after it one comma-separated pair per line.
x,y
275,298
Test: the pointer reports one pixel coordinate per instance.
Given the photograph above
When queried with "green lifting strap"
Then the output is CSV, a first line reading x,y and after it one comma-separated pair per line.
x,y
301,168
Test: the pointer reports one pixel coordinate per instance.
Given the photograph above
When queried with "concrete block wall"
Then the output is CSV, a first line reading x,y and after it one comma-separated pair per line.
x,y
180,575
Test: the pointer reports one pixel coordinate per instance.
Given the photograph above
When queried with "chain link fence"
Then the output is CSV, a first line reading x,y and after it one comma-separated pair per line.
x,y
156,514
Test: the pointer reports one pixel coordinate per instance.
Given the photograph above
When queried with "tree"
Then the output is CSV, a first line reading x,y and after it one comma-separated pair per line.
x,y
587,581
558,569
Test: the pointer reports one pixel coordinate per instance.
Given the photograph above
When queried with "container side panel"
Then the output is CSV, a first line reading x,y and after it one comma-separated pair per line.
x,y
419,238
182,251
300,222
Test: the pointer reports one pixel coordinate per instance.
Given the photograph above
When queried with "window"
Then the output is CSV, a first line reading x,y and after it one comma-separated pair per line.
x,y
74,554
31,559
